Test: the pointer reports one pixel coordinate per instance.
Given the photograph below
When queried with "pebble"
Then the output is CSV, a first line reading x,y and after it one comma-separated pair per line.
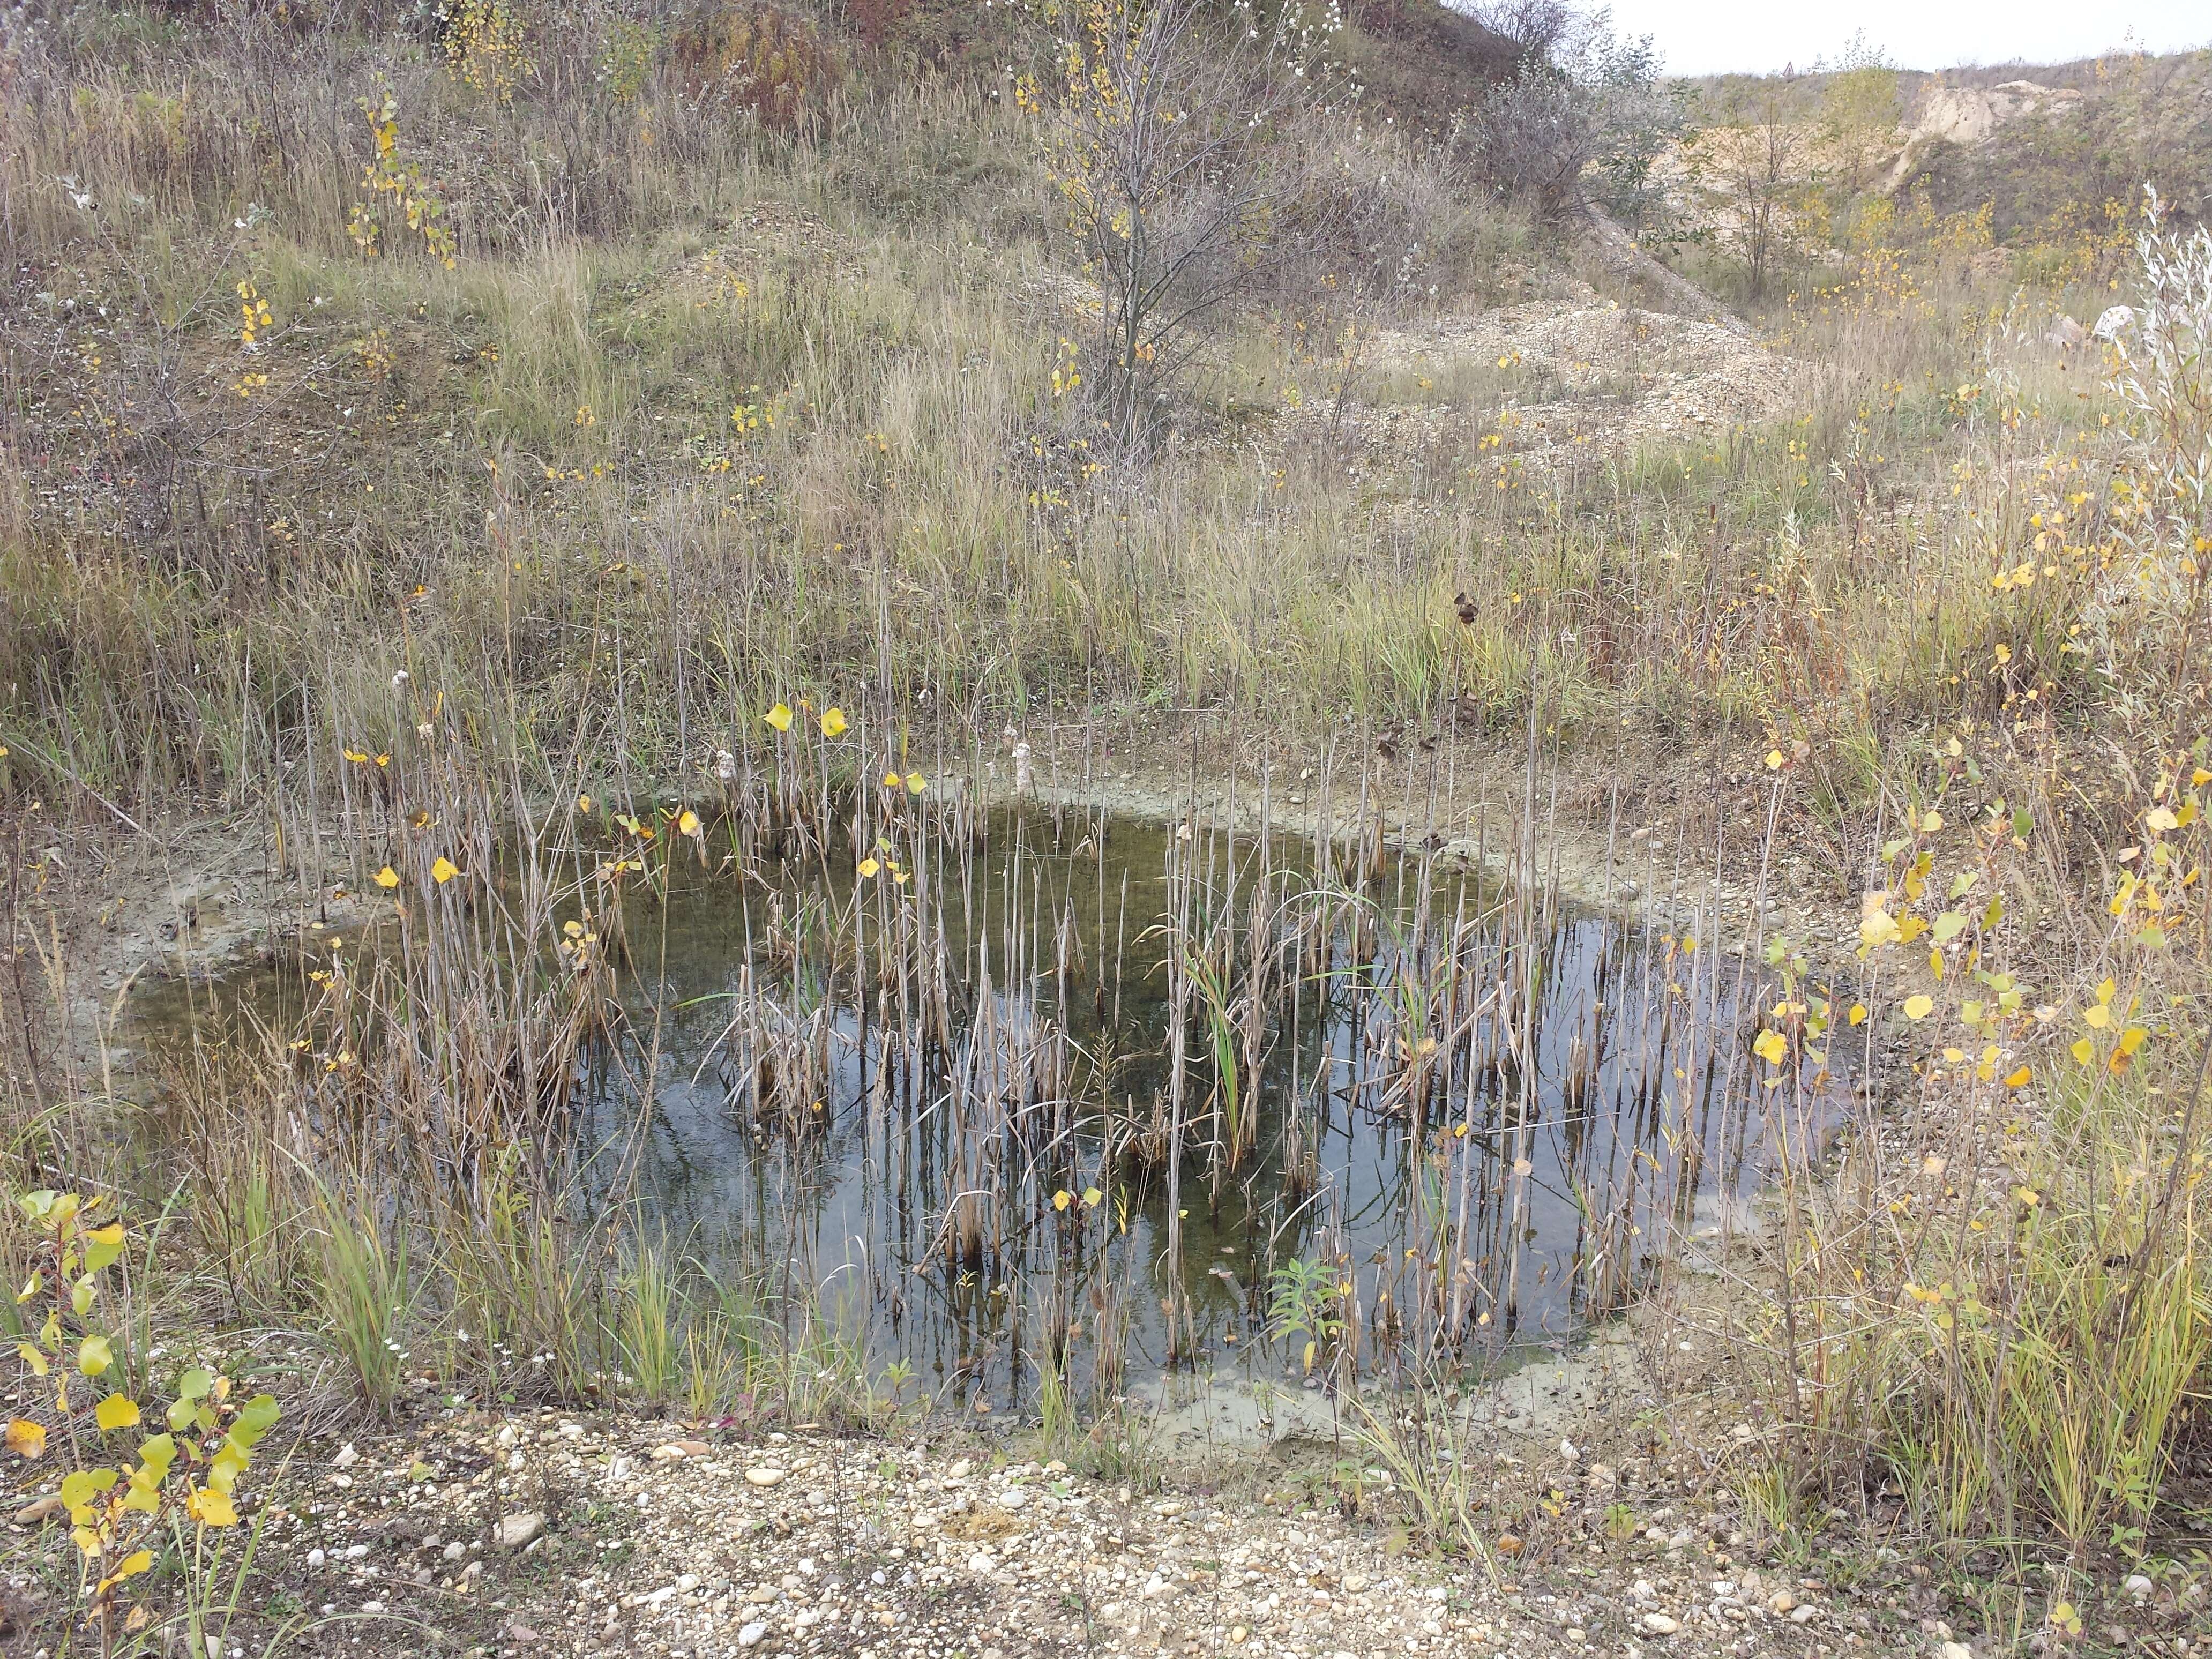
x,y
752,1635
764,1476
516,1530
1660,1624
43,1509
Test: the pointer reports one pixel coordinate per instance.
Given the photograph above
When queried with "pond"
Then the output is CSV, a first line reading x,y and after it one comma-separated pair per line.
x,y
1022,1087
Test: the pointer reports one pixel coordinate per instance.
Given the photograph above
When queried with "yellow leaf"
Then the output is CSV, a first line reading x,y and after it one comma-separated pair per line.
x,y
2097,1016
892,780
1062,1199
2159,820
1858,1013
1918,1008
915,783
779,717
130,1567
2132,1039
26,1439
868,867
688,823
387,878
444,870
30,1356
1091,1196
2019,1080
1931,822
2027,1195
2083,1052
94,1356
1770,1046
211,1508
833,722
1774,760
117,1410
1877,927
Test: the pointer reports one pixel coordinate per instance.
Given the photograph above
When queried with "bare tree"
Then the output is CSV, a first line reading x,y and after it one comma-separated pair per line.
x,y
1756,181
1163,138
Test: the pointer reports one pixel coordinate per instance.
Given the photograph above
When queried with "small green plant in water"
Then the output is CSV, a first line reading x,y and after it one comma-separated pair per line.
x,y
1301,1297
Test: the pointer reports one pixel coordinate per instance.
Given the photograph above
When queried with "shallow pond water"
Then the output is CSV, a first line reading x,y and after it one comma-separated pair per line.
x,y
1152,1098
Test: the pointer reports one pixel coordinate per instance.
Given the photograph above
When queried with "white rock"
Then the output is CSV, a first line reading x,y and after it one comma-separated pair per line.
x,y
1954,1650
982,1561
762,1475
456,1550
514,1531
1660,1624
316,1557
752,1635
356,1551
2114,321
1354,1583
2137,1585
1804,1613
347,1456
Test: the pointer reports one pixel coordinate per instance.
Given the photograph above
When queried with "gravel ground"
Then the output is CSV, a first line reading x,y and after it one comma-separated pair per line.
x,y
585,1536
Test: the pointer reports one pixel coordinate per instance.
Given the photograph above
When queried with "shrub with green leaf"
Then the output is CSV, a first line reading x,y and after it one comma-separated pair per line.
x,y
127,1510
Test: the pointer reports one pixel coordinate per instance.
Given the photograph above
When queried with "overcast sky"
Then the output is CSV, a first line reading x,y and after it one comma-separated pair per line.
x,y
1704,37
